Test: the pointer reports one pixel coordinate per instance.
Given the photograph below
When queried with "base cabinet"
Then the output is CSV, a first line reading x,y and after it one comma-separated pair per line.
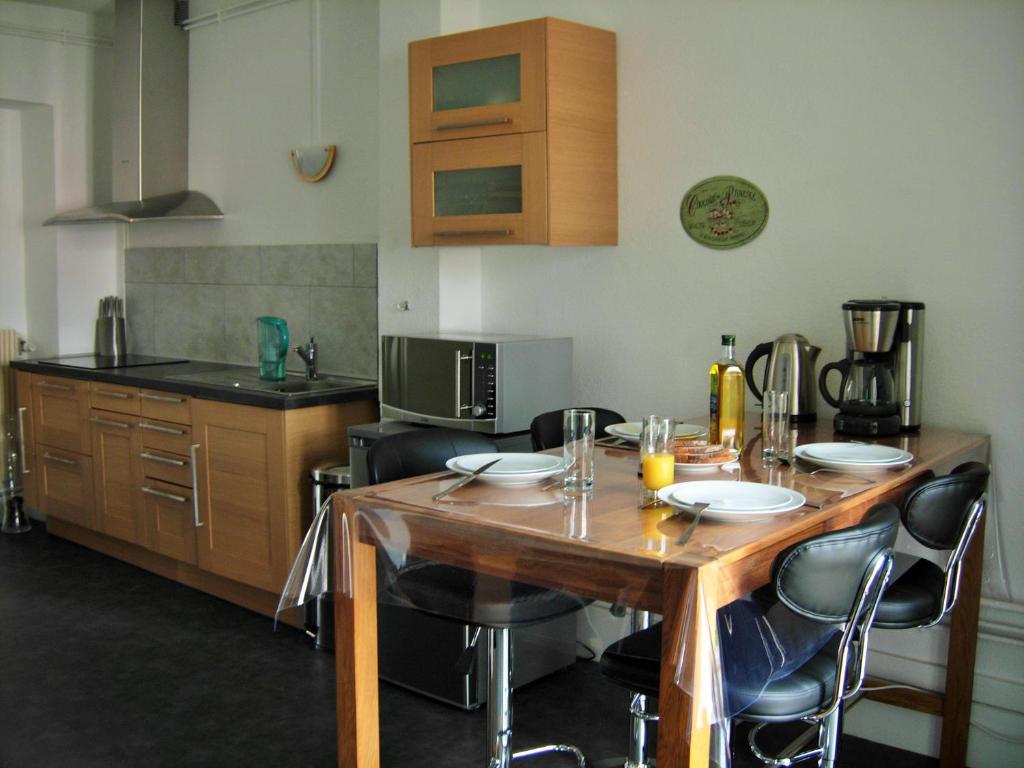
x,y
26,439
240,490
212,494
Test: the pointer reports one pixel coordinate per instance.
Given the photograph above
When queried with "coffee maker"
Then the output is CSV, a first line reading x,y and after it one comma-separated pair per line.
x,y
880,391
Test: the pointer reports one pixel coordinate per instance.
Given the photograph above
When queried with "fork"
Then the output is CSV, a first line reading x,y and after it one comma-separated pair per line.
x,y
698,510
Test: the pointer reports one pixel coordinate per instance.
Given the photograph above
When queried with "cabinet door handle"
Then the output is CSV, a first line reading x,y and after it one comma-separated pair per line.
x,y
163,494
49,385
21,442
60,460
165,430
111,393
163,459
162,398
109,423
473,124
475,233
195,486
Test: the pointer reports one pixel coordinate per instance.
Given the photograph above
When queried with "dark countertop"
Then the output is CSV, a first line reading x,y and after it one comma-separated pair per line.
x,y
165,378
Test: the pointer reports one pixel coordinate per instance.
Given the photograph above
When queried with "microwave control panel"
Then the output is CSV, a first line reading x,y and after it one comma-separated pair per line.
x,y
485,378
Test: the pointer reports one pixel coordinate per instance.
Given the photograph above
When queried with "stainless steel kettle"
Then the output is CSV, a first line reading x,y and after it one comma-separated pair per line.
x,y
790,368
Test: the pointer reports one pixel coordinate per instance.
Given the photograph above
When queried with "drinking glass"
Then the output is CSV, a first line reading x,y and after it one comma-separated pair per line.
x,y
578,452
657,454
775,426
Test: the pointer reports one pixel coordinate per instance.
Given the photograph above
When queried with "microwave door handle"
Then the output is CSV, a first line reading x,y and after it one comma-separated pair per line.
x,y
459,360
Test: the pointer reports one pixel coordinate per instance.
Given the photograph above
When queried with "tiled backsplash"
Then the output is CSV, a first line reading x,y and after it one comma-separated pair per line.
x,y
202,303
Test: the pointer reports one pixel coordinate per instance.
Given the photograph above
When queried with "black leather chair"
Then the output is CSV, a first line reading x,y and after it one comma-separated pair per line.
x,y
941,513
833,578
491,604
547,431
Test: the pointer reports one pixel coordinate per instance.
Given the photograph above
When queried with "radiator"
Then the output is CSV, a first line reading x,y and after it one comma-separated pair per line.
x,y
10,344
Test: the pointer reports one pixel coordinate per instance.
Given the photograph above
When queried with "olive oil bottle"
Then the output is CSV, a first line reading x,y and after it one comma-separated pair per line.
x,y
727,390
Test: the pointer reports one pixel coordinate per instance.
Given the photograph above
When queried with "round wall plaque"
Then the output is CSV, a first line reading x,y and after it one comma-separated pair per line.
x,y
724,212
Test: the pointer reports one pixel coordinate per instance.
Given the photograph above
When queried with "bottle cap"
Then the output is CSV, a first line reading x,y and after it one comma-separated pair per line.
x,y
728,339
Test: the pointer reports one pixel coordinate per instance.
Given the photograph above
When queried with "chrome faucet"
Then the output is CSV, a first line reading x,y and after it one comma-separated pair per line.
x,y
309,356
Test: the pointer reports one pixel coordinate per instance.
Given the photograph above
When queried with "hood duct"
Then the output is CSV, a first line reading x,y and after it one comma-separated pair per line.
x,y
150,121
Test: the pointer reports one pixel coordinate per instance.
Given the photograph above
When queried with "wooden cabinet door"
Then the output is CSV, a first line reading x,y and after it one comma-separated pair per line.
x,y
169,520
485,191
65,485
60,413
479,83
26,439
240,470
116,444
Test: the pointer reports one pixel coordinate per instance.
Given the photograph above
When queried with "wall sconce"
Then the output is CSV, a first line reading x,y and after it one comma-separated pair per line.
x,y
313,163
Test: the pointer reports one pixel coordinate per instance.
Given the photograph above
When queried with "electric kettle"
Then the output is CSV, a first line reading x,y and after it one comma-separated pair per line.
x,y
790,368
272,340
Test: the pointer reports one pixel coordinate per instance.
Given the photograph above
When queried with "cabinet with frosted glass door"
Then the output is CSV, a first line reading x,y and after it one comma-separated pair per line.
x,y
513,132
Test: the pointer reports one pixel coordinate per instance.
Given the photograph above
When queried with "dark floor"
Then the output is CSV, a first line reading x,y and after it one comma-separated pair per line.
x,y
102,664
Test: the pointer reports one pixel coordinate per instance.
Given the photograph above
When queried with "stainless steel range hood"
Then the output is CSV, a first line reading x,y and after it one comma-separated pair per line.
x,y
150,122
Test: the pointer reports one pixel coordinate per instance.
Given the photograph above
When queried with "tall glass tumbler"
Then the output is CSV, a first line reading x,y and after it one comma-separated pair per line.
x,y
579,425
657,452
775,426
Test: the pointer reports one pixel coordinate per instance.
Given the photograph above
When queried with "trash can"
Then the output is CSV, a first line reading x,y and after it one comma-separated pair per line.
x,y
319,613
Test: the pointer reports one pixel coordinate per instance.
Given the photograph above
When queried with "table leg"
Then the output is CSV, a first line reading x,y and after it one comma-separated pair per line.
x,y
683,740
355,651
963,642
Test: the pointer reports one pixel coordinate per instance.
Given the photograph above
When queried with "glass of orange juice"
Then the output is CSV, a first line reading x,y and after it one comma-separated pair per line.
x,y
657,457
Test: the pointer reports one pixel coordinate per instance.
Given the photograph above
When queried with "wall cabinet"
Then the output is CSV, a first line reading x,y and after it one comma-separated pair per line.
x,y
513,132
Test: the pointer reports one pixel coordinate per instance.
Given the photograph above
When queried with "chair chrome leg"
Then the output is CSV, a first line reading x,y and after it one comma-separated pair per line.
x,y
720,751
828,739
499,696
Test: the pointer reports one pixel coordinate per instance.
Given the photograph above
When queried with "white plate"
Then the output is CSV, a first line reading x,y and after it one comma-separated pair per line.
x,y
801,452
513,469
710,466
741,505
630,430
855,453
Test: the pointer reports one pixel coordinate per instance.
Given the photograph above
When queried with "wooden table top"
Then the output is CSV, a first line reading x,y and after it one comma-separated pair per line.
x,y
550,537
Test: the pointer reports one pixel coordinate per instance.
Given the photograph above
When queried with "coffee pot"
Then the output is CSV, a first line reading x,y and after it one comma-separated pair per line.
x,y
867,388
790,368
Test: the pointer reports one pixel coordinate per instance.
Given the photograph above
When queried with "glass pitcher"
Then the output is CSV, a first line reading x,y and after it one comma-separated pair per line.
x,y
272,333
868,389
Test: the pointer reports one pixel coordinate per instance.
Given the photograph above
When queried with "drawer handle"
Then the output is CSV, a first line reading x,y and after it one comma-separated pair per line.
x,y
164,494
195,487
165,430
162,459
111,393
162,398
473,124
475,233
21,442
48,385
109,423
60,460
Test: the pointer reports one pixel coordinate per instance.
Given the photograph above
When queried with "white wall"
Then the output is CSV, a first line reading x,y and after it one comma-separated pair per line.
x,y
252,98
12,236
886,137
57,89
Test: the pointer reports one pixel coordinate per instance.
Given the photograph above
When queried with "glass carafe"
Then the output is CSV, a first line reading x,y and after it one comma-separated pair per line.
x,y
868,389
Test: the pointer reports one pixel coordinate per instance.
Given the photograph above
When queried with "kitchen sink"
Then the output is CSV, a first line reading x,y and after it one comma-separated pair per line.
x,y
294,383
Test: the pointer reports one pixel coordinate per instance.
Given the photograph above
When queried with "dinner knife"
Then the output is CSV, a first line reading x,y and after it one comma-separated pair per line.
x,y
465,480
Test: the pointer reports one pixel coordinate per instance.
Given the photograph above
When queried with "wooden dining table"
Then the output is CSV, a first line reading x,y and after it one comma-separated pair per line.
x,y
602,545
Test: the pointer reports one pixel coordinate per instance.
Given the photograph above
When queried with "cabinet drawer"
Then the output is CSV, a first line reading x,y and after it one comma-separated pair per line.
x,y
479,83
60,413
65,485
170,467
114,397
165,435
166,406
491,190
169,520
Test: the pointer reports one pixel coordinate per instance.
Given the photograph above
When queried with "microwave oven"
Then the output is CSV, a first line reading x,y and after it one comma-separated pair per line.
x,y
483,383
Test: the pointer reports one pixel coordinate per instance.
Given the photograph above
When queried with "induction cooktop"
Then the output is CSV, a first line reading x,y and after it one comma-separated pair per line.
x,y
98,362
